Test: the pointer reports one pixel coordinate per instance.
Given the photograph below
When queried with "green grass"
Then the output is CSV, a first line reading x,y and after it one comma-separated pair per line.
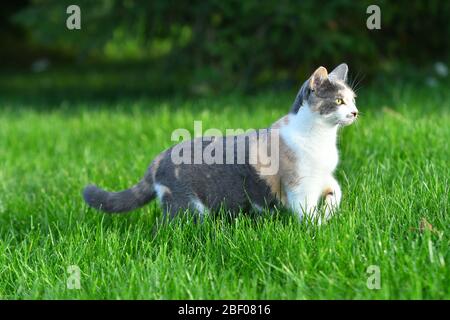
x,y
394,172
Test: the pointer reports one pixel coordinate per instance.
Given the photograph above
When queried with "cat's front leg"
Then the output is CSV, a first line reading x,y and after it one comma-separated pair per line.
x,y
332,197
303,199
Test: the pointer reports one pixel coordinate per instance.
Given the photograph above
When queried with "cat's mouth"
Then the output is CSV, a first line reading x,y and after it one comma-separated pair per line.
x,y
346,122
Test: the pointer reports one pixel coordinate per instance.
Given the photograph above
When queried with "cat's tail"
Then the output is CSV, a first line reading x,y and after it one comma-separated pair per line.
x,y
122,201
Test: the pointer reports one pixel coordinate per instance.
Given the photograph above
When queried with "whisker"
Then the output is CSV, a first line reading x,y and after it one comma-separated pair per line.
x,y
356,81
358,85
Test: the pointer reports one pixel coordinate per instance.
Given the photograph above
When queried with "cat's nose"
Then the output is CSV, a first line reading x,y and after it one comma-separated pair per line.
x,y
352,115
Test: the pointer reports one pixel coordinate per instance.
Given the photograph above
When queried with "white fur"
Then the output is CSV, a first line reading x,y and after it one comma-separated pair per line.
x,y
160,190
198,205
257,207
343,115
332,200
312,138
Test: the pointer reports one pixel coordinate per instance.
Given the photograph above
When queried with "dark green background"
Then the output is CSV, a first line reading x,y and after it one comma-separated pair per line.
x,y
203,47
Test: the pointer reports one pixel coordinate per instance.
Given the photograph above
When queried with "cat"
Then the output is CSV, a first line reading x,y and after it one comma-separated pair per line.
x,y
306,152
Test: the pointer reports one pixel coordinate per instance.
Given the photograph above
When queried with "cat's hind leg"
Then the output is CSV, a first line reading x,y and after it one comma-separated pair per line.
x,y
173,203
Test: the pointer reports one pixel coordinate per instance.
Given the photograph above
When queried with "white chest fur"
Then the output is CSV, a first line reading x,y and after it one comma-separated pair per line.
x,y
313,142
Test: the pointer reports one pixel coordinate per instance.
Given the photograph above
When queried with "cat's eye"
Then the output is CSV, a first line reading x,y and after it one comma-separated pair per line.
x,y
339,101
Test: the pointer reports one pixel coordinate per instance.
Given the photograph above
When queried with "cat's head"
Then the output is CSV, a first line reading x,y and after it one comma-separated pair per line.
x,y
328,96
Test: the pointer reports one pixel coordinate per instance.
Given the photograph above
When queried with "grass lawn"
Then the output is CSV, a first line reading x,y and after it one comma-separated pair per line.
x,y
394,172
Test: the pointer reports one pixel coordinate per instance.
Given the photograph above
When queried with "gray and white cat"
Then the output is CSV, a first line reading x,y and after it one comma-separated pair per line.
x,y
306,152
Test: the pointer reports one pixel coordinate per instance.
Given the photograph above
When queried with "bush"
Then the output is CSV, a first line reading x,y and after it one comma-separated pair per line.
x,y
249,42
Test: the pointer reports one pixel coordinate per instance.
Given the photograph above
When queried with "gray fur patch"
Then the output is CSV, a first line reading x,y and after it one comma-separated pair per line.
x,y
302,95
323,99
326,90
233,186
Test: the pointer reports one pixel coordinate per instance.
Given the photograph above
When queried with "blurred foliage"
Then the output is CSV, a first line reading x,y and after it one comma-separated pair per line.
x,y
243,43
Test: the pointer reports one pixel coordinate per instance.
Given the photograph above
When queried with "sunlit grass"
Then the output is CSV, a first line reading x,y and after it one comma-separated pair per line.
x,y
394,173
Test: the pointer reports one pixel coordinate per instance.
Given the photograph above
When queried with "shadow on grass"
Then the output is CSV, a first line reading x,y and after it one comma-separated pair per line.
x,y
158,225
74,88
121,90
53,88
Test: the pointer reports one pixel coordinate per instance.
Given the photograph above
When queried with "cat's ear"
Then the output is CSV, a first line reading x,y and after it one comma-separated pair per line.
x,y
340,72
318,77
